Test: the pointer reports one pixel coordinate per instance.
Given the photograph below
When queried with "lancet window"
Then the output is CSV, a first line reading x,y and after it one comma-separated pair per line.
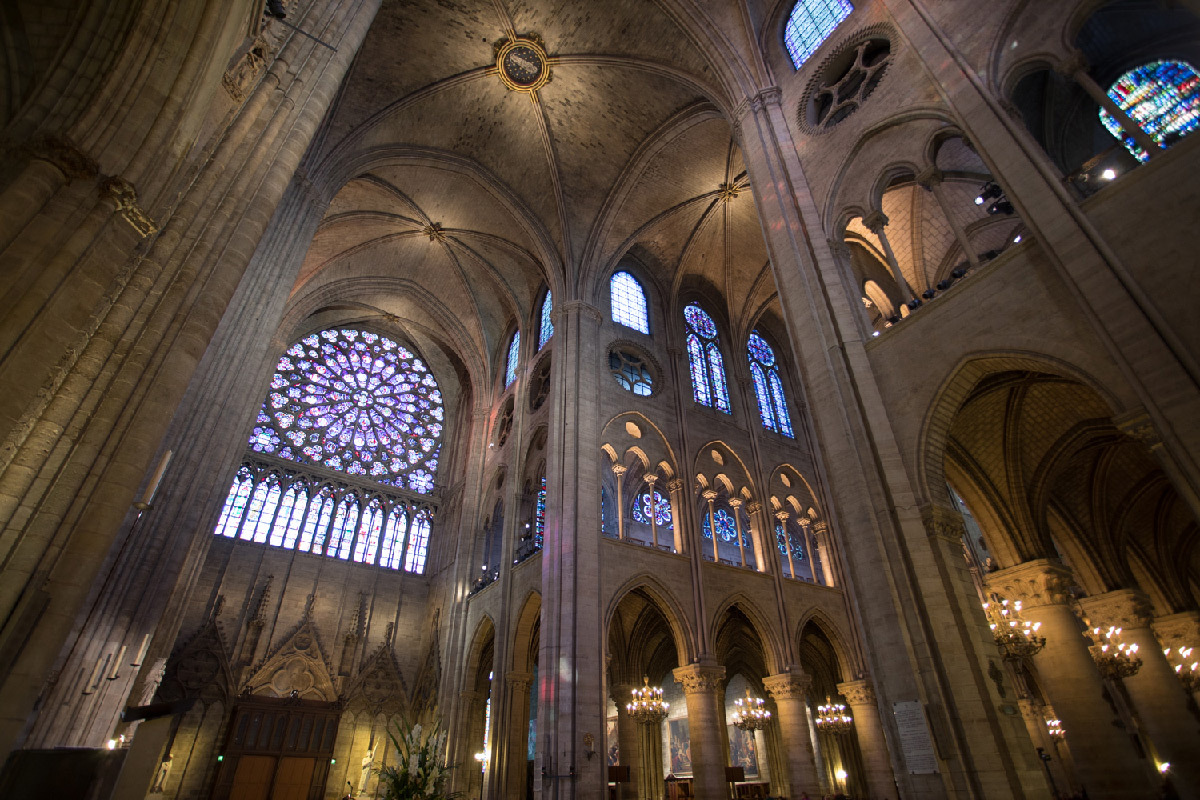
x,y
546,326
704,359
768,388
510,363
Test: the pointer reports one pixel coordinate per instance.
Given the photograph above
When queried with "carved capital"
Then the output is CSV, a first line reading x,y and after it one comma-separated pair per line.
x,y
929,177
1125,608
943,522
675,485
875,222
1075,62
619,469
753,507
857,693
241,78
122,193
650,478
1178,630
580,307
735,502
772,95
782,516
839,248
519,681
820,528
709,494
63,155
788,686
1138,426
700,678
1035,583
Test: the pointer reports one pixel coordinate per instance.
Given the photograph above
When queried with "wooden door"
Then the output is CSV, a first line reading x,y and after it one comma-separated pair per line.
x,y
252,780
293,778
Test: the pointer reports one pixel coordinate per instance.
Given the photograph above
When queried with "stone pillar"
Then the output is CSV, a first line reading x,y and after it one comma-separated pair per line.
x,y
1035,715
710,496
931,179
651,479
516,739
1076,68
704,689
649,784
675,486
782,516
1108,766
619,471
868,728
804,523
875,222
629,739
736,504
789,690
1158,698
760,527
821,529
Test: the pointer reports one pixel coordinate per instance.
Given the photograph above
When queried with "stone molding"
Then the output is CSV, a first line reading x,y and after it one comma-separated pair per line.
x,y
122,193
1035,583
943,523
929,177
857,693
1178,630
578,306
1125,608
1138,426
875,221
63,155
700,678
788,686
1075,62
519,680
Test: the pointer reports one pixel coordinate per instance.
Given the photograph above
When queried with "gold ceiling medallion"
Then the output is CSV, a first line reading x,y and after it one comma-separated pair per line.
x,y
728,191
522,63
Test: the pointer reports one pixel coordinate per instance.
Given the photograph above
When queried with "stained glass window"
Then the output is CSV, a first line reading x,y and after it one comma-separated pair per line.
x,y
704,359
546,330
662,509
539,525
356,402
726,526
768,388
514,352
1163,97
629,302
810,23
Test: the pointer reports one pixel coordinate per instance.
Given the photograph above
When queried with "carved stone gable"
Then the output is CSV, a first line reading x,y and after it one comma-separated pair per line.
x,y
298,667
200,668
379,686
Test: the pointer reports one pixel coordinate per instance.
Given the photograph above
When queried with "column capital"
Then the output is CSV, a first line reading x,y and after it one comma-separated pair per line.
x,y
619,469
709,494
929,177
943,522
753,507
621,694
1075,62
1125,608
782,516
857,693
519,680
580,307
736,502
700,678
820,527
675,485
875,222
788,685
1178,630
1138,426
650,478
63,155
771,95
1040,582
839,248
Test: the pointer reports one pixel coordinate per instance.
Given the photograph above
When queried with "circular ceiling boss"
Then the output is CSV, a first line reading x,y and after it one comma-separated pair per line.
x,y
522,63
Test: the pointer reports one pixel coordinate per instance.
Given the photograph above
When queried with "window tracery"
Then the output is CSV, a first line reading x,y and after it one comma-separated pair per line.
x,y
1163,97
362,405
629,302
810,23
768,388
704,358
661,509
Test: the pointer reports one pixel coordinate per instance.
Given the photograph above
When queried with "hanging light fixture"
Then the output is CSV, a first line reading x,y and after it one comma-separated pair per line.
x,y
833,718
1055,729
1015,635
1113,657
648,707
750,714
1187,669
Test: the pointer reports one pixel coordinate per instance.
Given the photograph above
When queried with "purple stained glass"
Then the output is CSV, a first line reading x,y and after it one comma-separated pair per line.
x,y
704,360
662,509
726,526
760,351
768,388
1162,97
716,374
510,365
765,411
540,520
699,321
356,402
700,389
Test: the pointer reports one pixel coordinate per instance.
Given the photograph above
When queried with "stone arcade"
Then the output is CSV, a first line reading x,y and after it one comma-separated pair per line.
x,y
478,363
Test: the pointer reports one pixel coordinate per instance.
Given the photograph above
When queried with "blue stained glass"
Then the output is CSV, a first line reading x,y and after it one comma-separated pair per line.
x,y
717,374
539,528
662,509
768,388
797,546
1162,97
547,326
629,302
235,503
393,538
418,542
514,352
699,321
349,400
810,23
700,388
726,526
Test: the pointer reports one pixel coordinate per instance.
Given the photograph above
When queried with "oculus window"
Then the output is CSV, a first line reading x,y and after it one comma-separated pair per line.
x,y
1162,97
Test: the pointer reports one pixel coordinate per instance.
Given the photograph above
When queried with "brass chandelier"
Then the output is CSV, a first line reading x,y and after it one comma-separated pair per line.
x,y
648,707
750,714
1188,673
833,718
1114,658
1016,636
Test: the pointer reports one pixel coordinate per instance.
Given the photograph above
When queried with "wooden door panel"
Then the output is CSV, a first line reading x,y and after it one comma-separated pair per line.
x,y
252,780
293,778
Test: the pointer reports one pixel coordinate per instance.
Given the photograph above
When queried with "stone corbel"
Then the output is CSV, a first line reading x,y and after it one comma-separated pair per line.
x,y
122,193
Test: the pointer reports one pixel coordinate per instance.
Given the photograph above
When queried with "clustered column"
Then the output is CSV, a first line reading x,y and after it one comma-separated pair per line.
x,y
1158,697
1105,759
860,697
789,690
704,690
